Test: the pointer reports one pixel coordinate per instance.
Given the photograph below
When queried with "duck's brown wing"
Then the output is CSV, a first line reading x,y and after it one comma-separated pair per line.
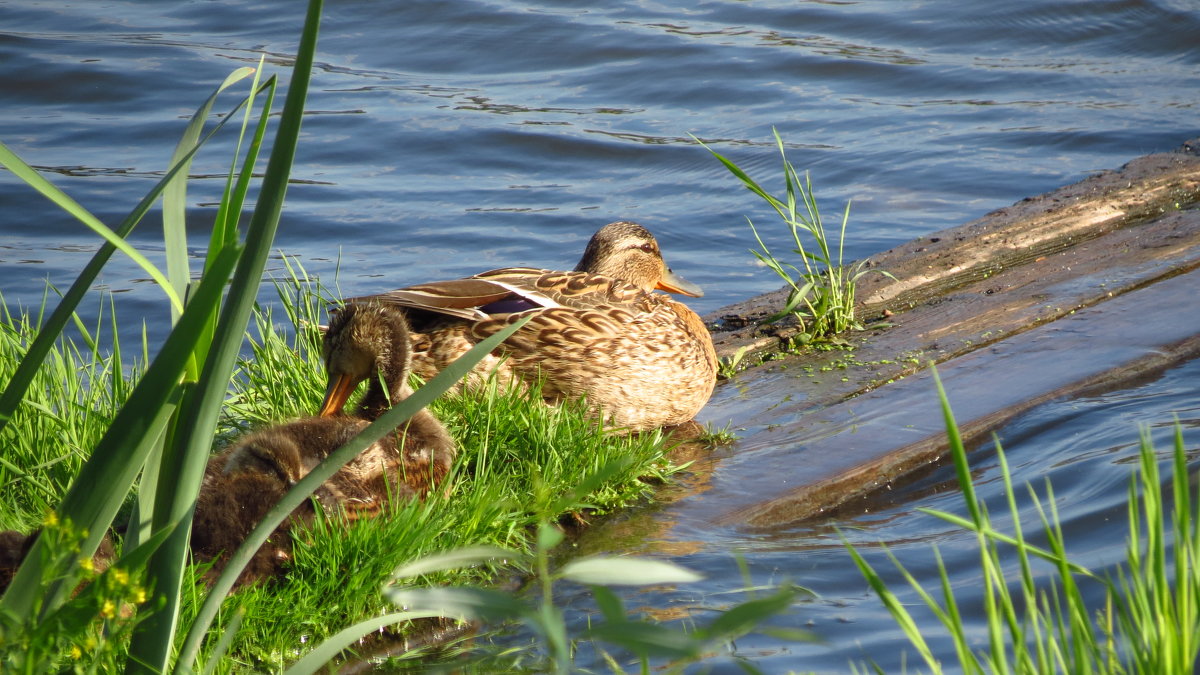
x,y
578,290
460,298
510,290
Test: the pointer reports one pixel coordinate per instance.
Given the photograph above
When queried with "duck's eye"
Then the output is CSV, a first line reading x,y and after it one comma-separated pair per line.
x,y
647,247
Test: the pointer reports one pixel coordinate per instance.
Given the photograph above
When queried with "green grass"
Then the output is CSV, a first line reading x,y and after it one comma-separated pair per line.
x,y
1038,620
68,409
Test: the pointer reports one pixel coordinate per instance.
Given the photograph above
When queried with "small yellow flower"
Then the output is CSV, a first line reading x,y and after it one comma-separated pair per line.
x,y
87,564
121,577
51,519
139,595
109,609
76,652
89,643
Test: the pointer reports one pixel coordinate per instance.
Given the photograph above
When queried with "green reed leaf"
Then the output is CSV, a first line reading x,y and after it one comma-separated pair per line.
x,y
174,196
325,652
183,465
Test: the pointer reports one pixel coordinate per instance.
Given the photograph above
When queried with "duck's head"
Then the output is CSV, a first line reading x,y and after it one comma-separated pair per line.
x,y
627,251
364,340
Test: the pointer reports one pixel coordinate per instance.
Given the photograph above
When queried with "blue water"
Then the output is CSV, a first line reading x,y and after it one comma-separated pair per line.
x,y
445,138
1086,447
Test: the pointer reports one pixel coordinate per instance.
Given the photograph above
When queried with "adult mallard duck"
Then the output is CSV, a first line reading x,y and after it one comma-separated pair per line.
x,y
600,332
242,483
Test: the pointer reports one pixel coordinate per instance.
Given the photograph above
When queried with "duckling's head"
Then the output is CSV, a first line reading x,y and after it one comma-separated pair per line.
x,y
270,452
364,340
627,251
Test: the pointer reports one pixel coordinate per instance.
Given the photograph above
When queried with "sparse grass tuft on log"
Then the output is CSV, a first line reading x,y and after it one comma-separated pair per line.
x,y
822,286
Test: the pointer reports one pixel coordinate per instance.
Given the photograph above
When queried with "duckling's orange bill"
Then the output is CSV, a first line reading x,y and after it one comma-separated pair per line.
x,y
673,283
339,390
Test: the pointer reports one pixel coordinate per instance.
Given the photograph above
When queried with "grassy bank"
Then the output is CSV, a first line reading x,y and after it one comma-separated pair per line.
x,y
69,406
518,461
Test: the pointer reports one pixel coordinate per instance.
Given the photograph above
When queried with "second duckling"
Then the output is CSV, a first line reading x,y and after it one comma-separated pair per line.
x,y
242,483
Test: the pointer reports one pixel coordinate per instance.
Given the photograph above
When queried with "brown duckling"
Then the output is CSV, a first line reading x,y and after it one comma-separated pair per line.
x,y
641,359
14,546
243,482
370,341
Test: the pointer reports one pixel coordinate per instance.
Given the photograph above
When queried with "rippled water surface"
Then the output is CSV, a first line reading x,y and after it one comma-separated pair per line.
x,y
445,138
1086,447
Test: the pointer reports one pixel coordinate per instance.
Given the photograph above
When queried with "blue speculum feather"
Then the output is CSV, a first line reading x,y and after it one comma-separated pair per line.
x,y
510,305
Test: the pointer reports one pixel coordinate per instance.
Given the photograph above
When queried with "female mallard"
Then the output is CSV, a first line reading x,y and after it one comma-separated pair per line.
x,y
600,332
245,481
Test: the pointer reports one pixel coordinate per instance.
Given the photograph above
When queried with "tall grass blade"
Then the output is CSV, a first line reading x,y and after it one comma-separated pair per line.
x,y
174,211
464,603
899,614
141,518
745,617
958,452
463,557
174,206
183,465
222,646
619,571
225,225
14,390
330,648
987,530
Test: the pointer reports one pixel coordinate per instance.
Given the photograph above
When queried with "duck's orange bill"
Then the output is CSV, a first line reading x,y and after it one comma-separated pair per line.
x,y
339,390
673,283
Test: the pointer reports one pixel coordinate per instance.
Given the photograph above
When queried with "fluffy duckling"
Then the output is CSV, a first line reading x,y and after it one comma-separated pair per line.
x,y
14,546
370,341
245,481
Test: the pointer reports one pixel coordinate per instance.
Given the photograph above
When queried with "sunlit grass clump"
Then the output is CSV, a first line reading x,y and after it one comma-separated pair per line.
x,y
821,285
68,409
